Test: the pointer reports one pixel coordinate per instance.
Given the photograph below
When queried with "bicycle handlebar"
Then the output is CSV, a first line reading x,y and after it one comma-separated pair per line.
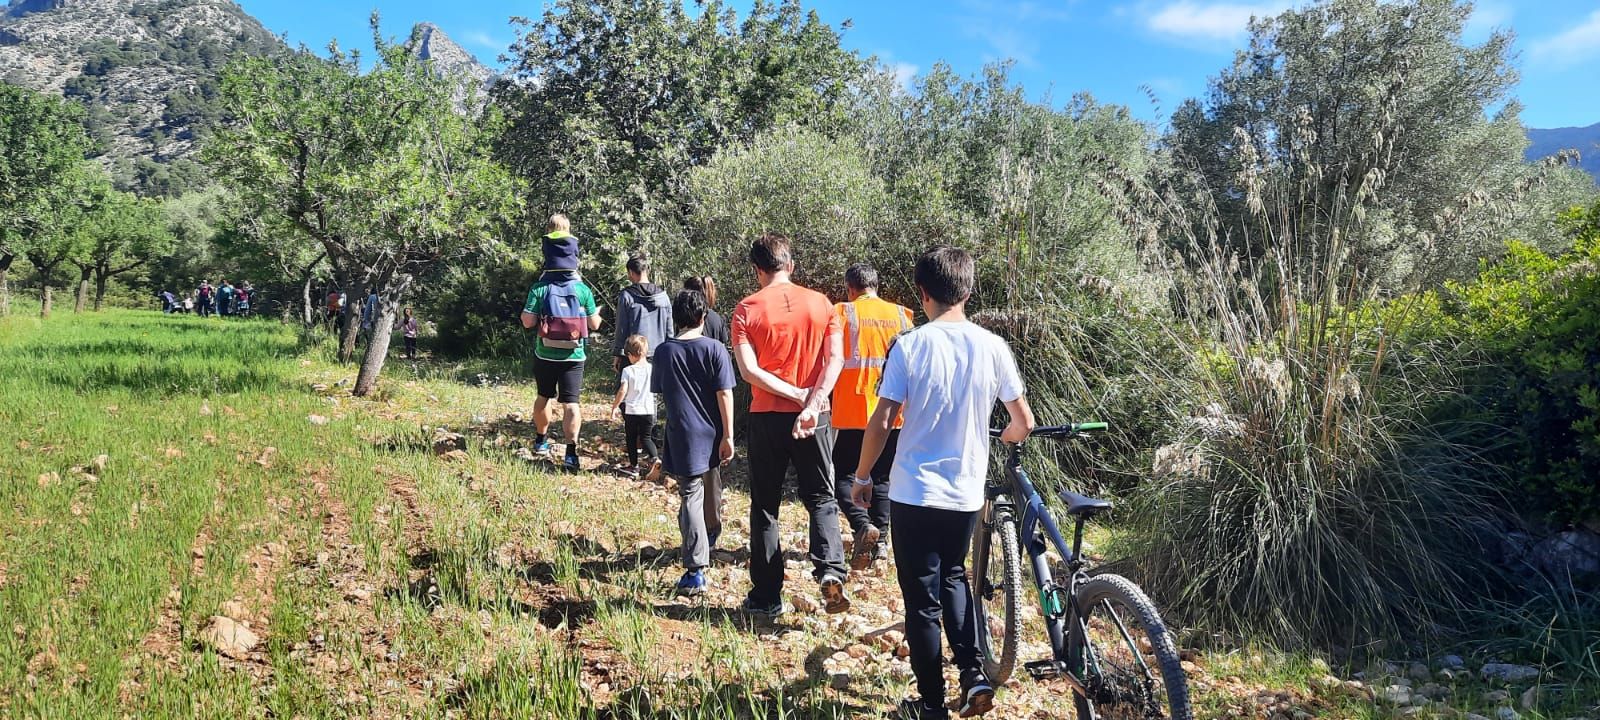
x,y
1058,432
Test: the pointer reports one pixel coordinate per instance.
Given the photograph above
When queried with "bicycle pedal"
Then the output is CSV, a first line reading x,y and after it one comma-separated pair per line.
x,y
1043,669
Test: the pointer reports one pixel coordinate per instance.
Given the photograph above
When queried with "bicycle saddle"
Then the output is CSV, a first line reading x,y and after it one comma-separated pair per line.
x,y
1083,504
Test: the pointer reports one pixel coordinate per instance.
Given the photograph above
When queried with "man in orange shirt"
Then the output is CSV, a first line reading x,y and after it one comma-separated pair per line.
x,y
788,345
870,325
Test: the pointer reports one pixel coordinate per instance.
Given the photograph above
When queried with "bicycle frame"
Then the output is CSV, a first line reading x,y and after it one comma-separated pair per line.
x,y
1038,532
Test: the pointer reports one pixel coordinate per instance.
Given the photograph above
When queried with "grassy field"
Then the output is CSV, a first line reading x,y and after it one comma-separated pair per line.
x,y
158,471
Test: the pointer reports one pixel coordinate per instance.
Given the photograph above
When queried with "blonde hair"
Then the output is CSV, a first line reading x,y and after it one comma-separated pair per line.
x,y
559,222
636,346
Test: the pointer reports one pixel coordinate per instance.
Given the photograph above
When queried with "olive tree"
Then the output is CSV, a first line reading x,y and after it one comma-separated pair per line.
x,y
42,141
382,169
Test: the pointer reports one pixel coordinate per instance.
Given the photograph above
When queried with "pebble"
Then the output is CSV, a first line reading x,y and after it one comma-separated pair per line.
x,y
1506,713
1418,671
1397,695
1452,662
1504,672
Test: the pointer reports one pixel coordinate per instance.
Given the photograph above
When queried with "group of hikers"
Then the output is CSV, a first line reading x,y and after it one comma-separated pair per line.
x,y
882,420
334,308
223,299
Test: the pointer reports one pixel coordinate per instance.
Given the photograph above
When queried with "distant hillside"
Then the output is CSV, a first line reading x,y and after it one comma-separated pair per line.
x,y
1586,140
146,70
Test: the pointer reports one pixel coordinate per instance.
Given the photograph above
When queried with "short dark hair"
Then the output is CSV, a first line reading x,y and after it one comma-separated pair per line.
x,y
688,309
946,275
861,276
770,253
638,263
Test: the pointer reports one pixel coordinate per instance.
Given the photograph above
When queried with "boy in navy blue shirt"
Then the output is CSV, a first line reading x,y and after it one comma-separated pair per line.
x,y
694,376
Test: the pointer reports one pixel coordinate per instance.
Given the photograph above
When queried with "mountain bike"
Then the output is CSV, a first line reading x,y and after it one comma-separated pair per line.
x,y
1107,639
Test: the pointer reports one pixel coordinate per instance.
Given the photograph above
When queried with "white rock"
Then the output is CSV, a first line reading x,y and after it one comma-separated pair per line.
x,y
1506,713
1397,695
229,637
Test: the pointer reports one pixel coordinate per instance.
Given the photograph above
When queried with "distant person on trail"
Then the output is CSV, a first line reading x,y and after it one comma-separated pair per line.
x,y
870,326
225,299
205,297
788,346
564,313
408,326
188,305
945,376
642,309
560,248
636,405
241,296
169,302
334,303
695,378
716,326
369,313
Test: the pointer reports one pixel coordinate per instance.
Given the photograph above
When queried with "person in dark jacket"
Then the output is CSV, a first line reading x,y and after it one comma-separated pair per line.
x,y
716,325
643,309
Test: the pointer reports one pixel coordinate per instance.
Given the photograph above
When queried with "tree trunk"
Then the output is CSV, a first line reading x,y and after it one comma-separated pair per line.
x,y
6,259
100,282
305,303
349,327
83,289
46,294
378,344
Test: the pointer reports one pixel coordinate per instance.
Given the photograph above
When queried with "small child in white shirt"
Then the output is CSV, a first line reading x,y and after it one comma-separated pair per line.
x,y
637,406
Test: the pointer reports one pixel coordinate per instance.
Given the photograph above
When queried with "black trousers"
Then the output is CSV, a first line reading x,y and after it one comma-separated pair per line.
x,y
930,556
639,430
411,347
773,449
846,455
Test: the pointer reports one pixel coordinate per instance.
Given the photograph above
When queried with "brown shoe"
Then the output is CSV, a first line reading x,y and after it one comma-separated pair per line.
x,y
834,601
654,474
865,548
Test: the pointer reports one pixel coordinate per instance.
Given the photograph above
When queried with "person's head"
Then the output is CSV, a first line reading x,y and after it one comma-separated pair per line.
x,y
636,348
705,286
558,223
408,313
860,279
639,268
688,310
944,276
770,256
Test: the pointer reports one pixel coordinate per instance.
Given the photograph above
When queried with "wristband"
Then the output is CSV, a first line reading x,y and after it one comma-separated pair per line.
x,y
860,481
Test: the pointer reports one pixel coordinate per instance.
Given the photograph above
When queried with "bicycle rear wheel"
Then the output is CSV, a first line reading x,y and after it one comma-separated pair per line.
x,y
1129,662
997,592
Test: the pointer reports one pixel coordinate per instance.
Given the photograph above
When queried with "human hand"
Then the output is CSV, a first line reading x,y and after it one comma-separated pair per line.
x,y
1015,432
860,494
616,413
725,452
805,425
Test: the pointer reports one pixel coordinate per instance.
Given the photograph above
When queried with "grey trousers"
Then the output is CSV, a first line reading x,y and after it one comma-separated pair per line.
x,y
699,516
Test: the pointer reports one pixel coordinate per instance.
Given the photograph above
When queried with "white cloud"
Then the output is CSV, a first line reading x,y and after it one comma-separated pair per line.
x,y
1576,45
1209,20
1486,18
484,40
904,74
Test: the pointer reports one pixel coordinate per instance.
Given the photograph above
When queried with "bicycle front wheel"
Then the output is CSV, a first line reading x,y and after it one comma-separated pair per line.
x,y
997,592
1126,657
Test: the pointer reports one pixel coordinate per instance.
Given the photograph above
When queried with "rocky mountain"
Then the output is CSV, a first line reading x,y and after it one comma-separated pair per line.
x,y
145,70
1586,140
430,43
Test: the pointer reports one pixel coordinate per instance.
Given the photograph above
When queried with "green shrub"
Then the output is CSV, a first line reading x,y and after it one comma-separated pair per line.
x,y
477,310
1535,321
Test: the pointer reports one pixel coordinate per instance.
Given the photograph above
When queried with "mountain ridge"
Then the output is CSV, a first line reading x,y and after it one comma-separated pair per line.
x,y
1544,142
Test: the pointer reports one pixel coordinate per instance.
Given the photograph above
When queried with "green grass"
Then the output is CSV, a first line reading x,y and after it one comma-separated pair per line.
x,y
383,581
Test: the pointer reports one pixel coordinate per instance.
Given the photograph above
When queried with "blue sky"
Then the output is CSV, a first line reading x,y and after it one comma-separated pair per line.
x,y
1111,49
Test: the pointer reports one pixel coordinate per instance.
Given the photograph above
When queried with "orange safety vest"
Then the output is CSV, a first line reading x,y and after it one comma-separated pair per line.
x,y
870,325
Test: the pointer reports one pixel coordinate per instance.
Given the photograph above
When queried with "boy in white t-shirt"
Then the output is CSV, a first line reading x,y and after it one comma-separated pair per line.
x,y
637,405
946,376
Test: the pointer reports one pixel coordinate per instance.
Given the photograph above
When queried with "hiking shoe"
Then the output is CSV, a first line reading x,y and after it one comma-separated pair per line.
x,y
865,548
916,709
693,583
630,472
653,475
541,446
570,462
977,694
770,612
834,601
